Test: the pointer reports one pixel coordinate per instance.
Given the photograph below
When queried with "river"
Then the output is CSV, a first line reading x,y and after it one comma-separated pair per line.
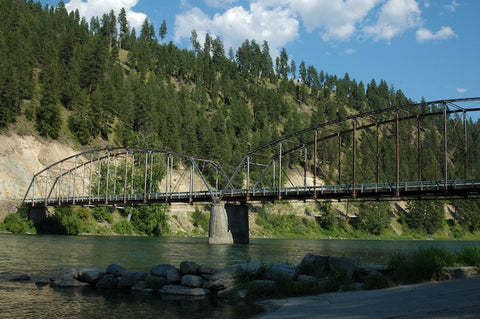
x,y
44,256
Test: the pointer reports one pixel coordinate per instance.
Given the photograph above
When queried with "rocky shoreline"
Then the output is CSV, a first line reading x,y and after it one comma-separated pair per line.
x,y
193,280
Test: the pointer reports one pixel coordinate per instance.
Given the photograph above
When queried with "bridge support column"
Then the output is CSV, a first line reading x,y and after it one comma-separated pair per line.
x,y
228,224
219,231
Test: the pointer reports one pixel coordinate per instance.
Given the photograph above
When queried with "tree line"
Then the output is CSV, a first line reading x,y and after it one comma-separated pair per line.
x,y
101,81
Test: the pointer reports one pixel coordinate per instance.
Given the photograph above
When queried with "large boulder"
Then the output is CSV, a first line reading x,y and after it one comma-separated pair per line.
x,y
207,270
173,275
314,265
116,270
129,279
184,291
255,269
340,264
227,278
282,270
109,281
161,270
139,286
192,281
189,268
67,280
155,282
90,276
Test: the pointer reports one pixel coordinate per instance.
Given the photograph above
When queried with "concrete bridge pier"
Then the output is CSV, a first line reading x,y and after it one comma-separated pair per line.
x,y
228,224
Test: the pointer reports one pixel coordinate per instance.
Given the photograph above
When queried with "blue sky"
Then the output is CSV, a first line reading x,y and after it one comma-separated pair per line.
x,y
426,48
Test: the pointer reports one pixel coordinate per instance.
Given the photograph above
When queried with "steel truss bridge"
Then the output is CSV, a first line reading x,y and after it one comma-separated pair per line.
x,y
377,155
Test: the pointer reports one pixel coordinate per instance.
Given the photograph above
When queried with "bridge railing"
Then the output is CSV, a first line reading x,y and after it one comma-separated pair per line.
x,y
417,189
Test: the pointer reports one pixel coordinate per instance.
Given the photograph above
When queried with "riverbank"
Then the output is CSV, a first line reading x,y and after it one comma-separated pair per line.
x,y
445,299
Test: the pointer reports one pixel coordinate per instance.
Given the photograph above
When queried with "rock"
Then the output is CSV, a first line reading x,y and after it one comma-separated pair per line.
x,y
281,270
227,278
189,268
139,286
363,272
21,278
42,282
91,276
207,270
460,272
129,279
339,264
314,265
255,268
227,292
72,273
161,270
173,275
185,291
67,280
116,270
155,282
192,281
305,278
109,281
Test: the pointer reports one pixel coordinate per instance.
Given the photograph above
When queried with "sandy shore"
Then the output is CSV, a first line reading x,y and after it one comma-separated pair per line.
x,y
458,298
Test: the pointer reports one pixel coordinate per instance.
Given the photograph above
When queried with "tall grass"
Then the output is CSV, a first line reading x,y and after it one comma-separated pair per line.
x,y
427,263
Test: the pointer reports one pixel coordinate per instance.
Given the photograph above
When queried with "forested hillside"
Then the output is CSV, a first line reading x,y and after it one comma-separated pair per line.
x,y
100,81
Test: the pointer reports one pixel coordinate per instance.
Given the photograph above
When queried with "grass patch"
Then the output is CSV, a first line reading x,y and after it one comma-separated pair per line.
x,y
423,265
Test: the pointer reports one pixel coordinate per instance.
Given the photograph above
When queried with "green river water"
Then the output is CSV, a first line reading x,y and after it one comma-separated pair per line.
x,y
44,256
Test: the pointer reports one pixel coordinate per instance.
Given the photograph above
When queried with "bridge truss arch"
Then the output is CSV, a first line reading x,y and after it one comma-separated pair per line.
x,y
122,176
357,137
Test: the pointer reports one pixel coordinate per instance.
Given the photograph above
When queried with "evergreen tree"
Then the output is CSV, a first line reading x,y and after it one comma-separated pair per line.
x,y
162,32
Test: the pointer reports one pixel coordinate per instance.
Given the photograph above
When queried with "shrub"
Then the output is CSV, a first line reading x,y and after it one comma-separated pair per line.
x,y
200,219
102,214
338,280
470,256
64,222
150,220
378,281
16,224
123,227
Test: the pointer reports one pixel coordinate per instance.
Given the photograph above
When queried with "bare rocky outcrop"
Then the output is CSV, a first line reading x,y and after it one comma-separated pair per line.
x,y
23,156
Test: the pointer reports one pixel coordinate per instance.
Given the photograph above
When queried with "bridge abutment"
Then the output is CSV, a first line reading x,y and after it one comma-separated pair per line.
x,y
228,224
39,214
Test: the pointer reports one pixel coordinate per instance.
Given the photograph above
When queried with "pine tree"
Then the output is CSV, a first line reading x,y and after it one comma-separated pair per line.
x,y
162,32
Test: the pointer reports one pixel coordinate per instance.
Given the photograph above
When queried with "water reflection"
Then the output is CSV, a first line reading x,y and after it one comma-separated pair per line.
x,y
43,256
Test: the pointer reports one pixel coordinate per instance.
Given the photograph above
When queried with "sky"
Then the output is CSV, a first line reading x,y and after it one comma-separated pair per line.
x,y
426,48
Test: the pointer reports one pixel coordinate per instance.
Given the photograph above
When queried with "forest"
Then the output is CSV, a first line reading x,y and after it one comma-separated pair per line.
x,y
101,82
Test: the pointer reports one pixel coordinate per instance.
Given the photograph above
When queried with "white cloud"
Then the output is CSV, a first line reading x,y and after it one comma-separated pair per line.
x,y
350,51
443,34
462,90
336,19
96,8
452,6
394,18
220,3
273,24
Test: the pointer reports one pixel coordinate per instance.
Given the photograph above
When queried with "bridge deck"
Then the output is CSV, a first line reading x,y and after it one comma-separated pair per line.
x,y
404,190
